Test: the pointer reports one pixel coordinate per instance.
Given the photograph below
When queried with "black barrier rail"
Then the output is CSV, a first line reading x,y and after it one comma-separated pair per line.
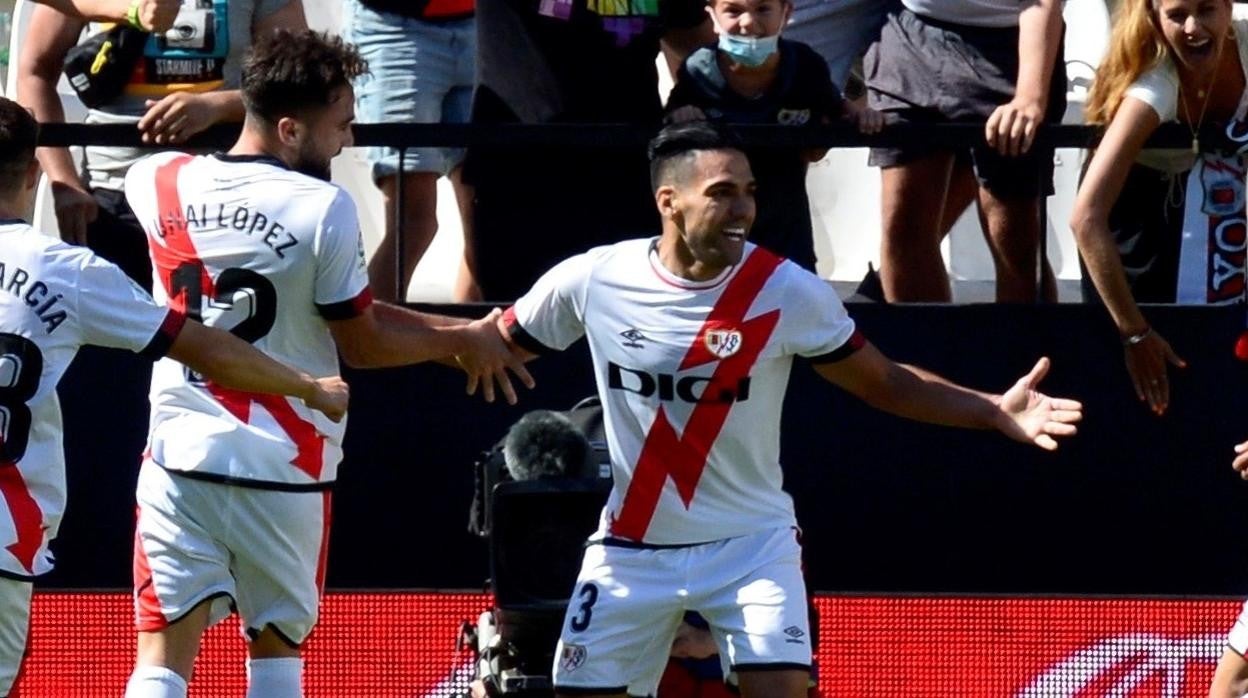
x,y
405,136
617,135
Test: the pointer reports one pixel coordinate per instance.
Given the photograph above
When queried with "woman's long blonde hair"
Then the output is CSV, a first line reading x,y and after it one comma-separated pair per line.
x,y
1135,46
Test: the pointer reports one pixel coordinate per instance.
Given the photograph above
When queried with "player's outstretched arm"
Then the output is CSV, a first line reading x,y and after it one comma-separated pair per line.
x,y
1022,413
387,335
150,15
233,363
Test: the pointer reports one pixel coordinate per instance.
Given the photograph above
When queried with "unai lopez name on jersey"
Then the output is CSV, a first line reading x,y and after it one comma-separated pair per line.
x,y
240,218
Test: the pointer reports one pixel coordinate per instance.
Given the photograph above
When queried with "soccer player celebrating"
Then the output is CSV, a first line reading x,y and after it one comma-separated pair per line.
x,y
54,298
234,495
692,335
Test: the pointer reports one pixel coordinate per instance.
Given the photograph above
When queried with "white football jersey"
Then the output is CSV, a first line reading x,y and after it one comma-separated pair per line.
x,y
54,298
269,254
692,377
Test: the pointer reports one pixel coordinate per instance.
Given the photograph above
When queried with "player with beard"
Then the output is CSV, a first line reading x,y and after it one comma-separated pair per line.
x,y
692,335
234,492
57,298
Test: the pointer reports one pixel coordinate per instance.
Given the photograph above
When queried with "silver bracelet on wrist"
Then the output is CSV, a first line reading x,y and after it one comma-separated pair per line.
x,y
1137,338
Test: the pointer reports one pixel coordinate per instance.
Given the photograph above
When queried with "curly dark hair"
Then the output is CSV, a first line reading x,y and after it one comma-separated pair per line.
x,y
19,133
289,72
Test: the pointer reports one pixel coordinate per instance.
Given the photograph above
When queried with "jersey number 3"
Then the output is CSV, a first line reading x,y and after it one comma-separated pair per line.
x,y
21,365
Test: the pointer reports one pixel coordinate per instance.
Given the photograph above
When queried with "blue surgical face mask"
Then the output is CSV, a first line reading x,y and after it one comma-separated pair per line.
x,y
750,51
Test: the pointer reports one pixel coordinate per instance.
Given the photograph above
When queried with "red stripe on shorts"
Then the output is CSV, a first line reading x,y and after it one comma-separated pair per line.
x,y
148,616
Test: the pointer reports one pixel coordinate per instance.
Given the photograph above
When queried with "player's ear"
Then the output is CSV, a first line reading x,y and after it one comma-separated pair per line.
x,y
32,174
665,199
288,130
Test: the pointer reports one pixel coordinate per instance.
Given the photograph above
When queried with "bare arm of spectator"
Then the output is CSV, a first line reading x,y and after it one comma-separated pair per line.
x,y
49,36
1011,128
1147,352
178,116
152,15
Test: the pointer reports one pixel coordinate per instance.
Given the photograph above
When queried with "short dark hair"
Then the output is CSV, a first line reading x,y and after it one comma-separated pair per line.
x,y
289,72
677,144
19,132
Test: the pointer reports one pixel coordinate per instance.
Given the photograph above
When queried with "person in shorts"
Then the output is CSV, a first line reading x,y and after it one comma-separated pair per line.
x,y
57,298
422,59
693,334
234,493
949,61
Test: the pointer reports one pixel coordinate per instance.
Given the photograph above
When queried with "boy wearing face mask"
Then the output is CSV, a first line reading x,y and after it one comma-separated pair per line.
x,y
752,76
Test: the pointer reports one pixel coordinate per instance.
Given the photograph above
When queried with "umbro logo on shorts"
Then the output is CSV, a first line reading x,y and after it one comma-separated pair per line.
x,y
573,656
794,633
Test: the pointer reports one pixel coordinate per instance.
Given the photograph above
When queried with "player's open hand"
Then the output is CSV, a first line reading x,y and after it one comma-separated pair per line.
x,y
331,396
1032,416
489,358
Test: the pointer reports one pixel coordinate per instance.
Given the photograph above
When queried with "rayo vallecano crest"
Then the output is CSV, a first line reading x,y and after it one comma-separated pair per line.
x,y
572,657
723,342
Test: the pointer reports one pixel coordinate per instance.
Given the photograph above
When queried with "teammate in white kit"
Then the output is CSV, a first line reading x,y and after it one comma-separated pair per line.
x,y
55,298
692,336
234,495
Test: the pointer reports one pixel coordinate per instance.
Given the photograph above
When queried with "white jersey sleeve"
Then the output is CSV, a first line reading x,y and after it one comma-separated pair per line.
x,y
552,313
823,329
117,312
341,286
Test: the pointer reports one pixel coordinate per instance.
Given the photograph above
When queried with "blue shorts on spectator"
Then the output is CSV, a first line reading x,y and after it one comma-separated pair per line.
x,y
422,61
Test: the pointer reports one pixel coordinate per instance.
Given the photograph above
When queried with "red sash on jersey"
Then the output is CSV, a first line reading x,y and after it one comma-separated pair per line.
x,y
27,516
683,457
178,249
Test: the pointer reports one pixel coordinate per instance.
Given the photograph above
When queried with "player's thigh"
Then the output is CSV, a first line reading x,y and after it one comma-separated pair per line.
x,y
179,559
279,546
754,600
621,620
15,595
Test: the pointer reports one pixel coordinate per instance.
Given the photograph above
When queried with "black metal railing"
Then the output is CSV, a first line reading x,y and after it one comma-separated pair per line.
x,y
403,136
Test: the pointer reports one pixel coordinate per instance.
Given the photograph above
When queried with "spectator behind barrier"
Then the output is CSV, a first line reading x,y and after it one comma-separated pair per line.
x,y
959,60
569,61
421,58
167,107
838,30
1139,238
754,76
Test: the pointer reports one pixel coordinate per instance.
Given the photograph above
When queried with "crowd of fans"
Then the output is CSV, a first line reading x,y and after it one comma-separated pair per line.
x,y
997,62
581,61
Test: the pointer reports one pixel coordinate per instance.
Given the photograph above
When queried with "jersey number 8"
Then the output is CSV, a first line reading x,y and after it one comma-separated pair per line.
x,y
21,365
